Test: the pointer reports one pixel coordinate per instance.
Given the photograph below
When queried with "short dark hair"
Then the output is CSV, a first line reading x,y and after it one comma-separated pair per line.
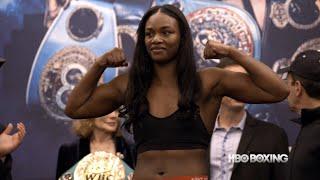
x,y
311,87
225,62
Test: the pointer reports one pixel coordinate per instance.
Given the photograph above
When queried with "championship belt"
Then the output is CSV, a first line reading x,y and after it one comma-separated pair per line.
x,y
99,165
82,31
300,14
218,21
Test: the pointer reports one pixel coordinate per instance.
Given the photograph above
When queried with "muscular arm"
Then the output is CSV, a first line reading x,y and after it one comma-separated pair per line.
x,y
87,100
260,85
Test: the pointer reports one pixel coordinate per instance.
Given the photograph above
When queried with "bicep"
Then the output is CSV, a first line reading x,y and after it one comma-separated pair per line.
x,y
240,86
104,99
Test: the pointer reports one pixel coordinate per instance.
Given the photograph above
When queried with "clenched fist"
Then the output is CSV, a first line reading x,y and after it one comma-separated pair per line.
x,y
113,58
215,50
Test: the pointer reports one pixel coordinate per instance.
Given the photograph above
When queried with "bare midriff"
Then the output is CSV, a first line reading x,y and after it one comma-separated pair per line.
x,y
158,164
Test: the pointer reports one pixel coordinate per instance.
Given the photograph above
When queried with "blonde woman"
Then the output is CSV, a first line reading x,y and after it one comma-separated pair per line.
x,y
99,134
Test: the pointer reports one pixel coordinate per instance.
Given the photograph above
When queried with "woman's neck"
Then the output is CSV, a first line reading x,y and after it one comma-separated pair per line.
x,y
100,136
102,141
165,73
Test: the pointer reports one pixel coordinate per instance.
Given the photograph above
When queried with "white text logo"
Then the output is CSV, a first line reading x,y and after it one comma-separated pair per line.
x,y
258,158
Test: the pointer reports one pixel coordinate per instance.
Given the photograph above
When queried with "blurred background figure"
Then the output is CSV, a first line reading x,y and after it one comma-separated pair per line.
x,y
236,131
302,77
99,134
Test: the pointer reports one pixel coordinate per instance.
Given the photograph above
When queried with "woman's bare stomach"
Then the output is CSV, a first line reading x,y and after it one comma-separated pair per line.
x,y
169,163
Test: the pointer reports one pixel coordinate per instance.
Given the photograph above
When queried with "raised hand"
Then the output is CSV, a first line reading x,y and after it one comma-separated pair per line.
x,y
9,143
113,58
215,50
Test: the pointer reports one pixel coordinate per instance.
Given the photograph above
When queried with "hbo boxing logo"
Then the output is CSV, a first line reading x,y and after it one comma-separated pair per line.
x,y
258,158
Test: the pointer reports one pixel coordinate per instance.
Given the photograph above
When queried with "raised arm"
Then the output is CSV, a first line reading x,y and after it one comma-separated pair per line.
x,y
260,85
87,100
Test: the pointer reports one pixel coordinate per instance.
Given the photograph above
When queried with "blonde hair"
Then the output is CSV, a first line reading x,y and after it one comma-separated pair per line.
x,y
84,128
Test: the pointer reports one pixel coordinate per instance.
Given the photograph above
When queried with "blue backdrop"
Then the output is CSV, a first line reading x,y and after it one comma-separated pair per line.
x,y
50,44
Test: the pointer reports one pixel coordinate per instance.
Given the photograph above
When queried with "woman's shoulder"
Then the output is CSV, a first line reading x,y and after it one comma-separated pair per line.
x,y
121,141
127,150
69,146
122,145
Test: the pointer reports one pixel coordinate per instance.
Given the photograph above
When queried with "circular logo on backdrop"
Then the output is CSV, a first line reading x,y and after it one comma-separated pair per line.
x,y
84,23
62,72
313,44
220,24
300,14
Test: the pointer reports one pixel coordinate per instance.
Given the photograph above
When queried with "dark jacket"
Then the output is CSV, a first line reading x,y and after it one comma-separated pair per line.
x,y
304,159
260,137
70,154
5,167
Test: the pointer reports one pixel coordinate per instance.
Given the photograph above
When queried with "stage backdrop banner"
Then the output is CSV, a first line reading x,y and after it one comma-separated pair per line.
x,y
50,44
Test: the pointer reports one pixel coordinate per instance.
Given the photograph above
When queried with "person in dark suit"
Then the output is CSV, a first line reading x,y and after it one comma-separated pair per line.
x,y
237,132
99,134
303,79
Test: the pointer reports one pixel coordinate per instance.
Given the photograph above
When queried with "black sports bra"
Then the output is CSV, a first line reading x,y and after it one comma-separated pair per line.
x,y
174,132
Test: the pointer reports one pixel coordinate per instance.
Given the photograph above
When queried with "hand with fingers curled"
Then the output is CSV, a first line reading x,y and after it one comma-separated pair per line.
x,y
8,142
216,50
113,58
